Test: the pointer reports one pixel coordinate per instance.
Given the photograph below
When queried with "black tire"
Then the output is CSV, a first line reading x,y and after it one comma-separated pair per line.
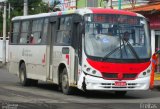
x,y
33,82
120,93
66,89
22,75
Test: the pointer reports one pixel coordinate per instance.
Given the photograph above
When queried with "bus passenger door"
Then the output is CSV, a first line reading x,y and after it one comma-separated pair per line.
x,y
77,44
52,33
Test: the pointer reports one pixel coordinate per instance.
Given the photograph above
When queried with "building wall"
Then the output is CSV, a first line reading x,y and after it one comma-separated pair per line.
x,y
88,3
124,3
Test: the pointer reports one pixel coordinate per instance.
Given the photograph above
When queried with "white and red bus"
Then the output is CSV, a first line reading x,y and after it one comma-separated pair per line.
x,y
90,48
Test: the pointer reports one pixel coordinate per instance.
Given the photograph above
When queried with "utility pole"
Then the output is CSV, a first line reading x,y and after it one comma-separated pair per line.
x,y
9,11
25,10
4,34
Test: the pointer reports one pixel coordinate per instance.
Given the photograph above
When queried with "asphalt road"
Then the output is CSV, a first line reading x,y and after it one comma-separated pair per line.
x,y
47,96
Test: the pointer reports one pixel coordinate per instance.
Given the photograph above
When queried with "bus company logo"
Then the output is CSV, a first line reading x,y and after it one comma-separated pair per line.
x,y
148,106
26,53
120,76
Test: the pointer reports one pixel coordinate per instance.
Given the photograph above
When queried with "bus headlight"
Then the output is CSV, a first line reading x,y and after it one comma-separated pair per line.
x,y
91,71
145,73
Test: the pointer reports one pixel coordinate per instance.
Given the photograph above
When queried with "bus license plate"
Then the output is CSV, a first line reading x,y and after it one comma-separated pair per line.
x,y
120,84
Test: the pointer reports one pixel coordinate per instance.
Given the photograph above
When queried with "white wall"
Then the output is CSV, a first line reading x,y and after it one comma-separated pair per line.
x,y
1,50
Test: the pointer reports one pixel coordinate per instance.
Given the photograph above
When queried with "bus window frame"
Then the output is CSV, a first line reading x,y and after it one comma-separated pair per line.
x,y
73,21
77,41
29,31
42,31
32,32
58,29
11,33
47,37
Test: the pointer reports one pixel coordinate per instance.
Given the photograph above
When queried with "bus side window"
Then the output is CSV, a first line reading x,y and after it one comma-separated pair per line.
x,y
15,32
45,31
64,31
36,31
24,32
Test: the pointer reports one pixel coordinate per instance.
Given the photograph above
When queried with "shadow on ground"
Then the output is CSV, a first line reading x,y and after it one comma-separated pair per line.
x,y
90,94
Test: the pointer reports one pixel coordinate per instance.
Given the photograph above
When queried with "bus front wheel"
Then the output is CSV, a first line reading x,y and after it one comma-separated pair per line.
x,y
66,89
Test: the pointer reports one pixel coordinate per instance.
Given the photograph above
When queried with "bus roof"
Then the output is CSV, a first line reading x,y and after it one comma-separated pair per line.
x,y
81,11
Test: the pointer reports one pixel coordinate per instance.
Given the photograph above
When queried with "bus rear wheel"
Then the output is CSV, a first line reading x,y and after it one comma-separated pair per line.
x,y
66,89
120,93
22,75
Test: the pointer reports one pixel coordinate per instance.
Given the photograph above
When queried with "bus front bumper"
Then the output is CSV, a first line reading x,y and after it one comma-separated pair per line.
x,y
88,82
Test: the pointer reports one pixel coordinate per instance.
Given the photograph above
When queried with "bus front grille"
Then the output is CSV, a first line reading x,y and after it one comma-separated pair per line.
x,y
115,76
110,75
126,76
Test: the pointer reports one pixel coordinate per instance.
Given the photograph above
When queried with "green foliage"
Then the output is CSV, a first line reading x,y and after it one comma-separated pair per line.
x,y
55,6
34,7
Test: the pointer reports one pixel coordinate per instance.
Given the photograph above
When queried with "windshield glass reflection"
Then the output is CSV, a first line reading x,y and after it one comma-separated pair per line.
x,y
118,37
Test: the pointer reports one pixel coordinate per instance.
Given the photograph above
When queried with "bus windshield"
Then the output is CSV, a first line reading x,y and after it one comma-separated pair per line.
x,y
116,36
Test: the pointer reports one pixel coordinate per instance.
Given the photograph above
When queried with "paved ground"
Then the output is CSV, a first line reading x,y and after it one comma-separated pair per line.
x,y
47,96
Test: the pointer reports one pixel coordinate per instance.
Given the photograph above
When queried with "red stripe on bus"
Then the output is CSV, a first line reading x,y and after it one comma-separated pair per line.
x,y
110,67
67,57
111,11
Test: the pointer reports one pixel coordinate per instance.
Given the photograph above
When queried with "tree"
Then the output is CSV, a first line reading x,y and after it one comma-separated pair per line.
x,y
55,6
34,7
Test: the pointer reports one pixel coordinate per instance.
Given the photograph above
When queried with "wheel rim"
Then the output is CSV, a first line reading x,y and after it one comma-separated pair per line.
x,y
64,81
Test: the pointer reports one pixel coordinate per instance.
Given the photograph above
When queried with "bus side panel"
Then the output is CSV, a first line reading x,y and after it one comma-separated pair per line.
x,y
73,67
58,58
34,58
16,54
36,64
62,58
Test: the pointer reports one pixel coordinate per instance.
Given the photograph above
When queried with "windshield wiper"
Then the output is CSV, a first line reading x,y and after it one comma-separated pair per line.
x,y
129,45
133,50
110,53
